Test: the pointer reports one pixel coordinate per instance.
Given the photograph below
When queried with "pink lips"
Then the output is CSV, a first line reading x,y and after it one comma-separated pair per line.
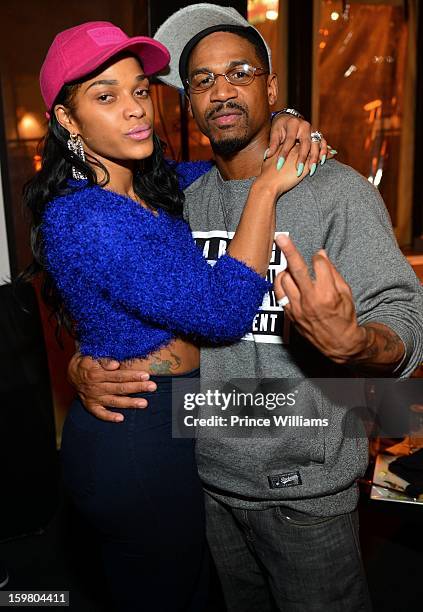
x,y
142,132
226,119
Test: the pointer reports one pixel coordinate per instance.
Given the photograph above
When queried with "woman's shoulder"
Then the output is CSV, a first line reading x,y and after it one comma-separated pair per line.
x,y
76,194
80,215
84,203
90,212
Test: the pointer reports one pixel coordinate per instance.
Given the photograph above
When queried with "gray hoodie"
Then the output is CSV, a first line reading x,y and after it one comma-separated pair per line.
x,y
338,210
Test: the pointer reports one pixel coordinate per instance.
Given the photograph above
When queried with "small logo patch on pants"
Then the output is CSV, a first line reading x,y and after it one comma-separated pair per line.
x,y
279,481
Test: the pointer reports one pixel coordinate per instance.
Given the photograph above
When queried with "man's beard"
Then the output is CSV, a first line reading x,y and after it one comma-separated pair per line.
x,y
231,144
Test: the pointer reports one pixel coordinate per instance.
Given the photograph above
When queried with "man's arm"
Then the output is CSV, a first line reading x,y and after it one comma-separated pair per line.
x,y
383,351
323,311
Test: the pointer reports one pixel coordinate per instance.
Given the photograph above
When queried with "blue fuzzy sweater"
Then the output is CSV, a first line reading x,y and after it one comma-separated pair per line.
x,y
132,280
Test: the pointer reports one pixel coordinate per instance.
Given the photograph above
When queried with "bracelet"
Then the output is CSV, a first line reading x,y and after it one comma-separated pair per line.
x,y
287,111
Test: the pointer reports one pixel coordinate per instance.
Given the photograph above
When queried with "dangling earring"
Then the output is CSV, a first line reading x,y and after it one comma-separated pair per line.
x,y
75,145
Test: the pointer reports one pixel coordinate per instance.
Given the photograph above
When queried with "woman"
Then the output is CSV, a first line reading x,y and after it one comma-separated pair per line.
x,y
121,266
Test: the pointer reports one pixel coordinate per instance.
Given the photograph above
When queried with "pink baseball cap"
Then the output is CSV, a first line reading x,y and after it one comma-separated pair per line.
x,y
78,51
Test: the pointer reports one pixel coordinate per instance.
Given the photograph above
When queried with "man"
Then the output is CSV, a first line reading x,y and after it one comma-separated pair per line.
x,y
282,520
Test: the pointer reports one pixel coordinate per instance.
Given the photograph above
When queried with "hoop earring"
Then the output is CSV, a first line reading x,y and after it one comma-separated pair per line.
x,y
75,146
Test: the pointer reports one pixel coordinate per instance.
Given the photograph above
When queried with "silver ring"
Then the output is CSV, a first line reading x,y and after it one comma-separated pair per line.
x,y
283,301
316,136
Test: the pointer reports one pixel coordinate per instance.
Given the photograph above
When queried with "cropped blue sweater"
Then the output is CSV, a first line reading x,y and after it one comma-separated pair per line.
x,y
132,281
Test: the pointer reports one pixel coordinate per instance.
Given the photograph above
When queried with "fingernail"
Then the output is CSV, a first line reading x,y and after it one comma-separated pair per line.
x,y
145,376
280,163
300,169
119,418
151,387
322,161
141,404
313,169
333,151
283,238
265,154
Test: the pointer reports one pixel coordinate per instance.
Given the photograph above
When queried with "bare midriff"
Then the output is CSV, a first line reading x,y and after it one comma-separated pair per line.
x,y
178,357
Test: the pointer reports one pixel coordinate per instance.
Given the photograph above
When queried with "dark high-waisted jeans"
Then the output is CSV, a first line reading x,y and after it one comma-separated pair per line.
x,y
140,489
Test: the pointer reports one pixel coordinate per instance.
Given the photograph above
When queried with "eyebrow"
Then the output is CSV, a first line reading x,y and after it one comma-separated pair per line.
x,y
140,77
231,65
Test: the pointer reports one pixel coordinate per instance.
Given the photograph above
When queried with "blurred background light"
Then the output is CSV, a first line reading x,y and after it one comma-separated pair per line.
x,y
272,15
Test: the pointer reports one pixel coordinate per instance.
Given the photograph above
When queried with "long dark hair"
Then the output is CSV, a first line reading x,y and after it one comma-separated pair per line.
x,y
154,181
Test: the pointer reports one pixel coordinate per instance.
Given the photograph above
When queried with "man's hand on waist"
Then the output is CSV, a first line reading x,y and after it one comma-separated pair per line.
x,y
102,384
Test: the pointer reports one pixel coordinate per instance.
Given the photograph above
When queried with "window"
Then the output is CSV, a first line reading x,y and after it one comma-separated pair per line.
x,y
363,94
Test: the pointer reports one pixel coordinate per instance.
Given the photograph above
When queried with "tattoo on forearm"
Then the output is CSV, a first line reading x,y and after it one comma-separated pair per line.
x,y
385,348
392,342
386,341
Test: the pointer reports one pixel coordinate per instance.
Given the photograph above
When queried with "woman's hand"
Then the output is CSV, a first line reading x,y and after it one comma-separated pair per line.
x,y
280,178
286,130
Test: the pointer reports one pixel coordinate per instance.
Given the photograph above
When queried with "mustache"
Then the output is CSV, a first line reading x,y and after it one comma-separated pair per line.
x,y
228,105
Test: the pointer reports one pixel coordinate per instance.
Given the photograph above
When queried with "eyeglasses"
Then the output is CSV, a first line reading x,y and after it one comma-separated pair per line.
x,y
243,74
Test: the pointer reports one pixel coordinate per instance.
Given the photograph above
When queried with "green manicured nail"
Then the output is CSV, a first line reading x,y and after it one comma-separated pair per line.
x,y
300,169
265,154
280,163
333,151
313,169
322,161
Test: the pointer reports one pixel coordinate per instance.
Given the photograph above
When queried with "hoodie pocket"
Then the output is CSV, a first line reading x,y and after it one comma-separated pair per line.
x,y
300,424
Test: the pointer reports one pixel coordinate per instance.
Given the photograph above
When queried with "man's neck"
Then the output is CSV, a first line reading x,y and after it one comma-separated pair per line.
x,y
245,163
